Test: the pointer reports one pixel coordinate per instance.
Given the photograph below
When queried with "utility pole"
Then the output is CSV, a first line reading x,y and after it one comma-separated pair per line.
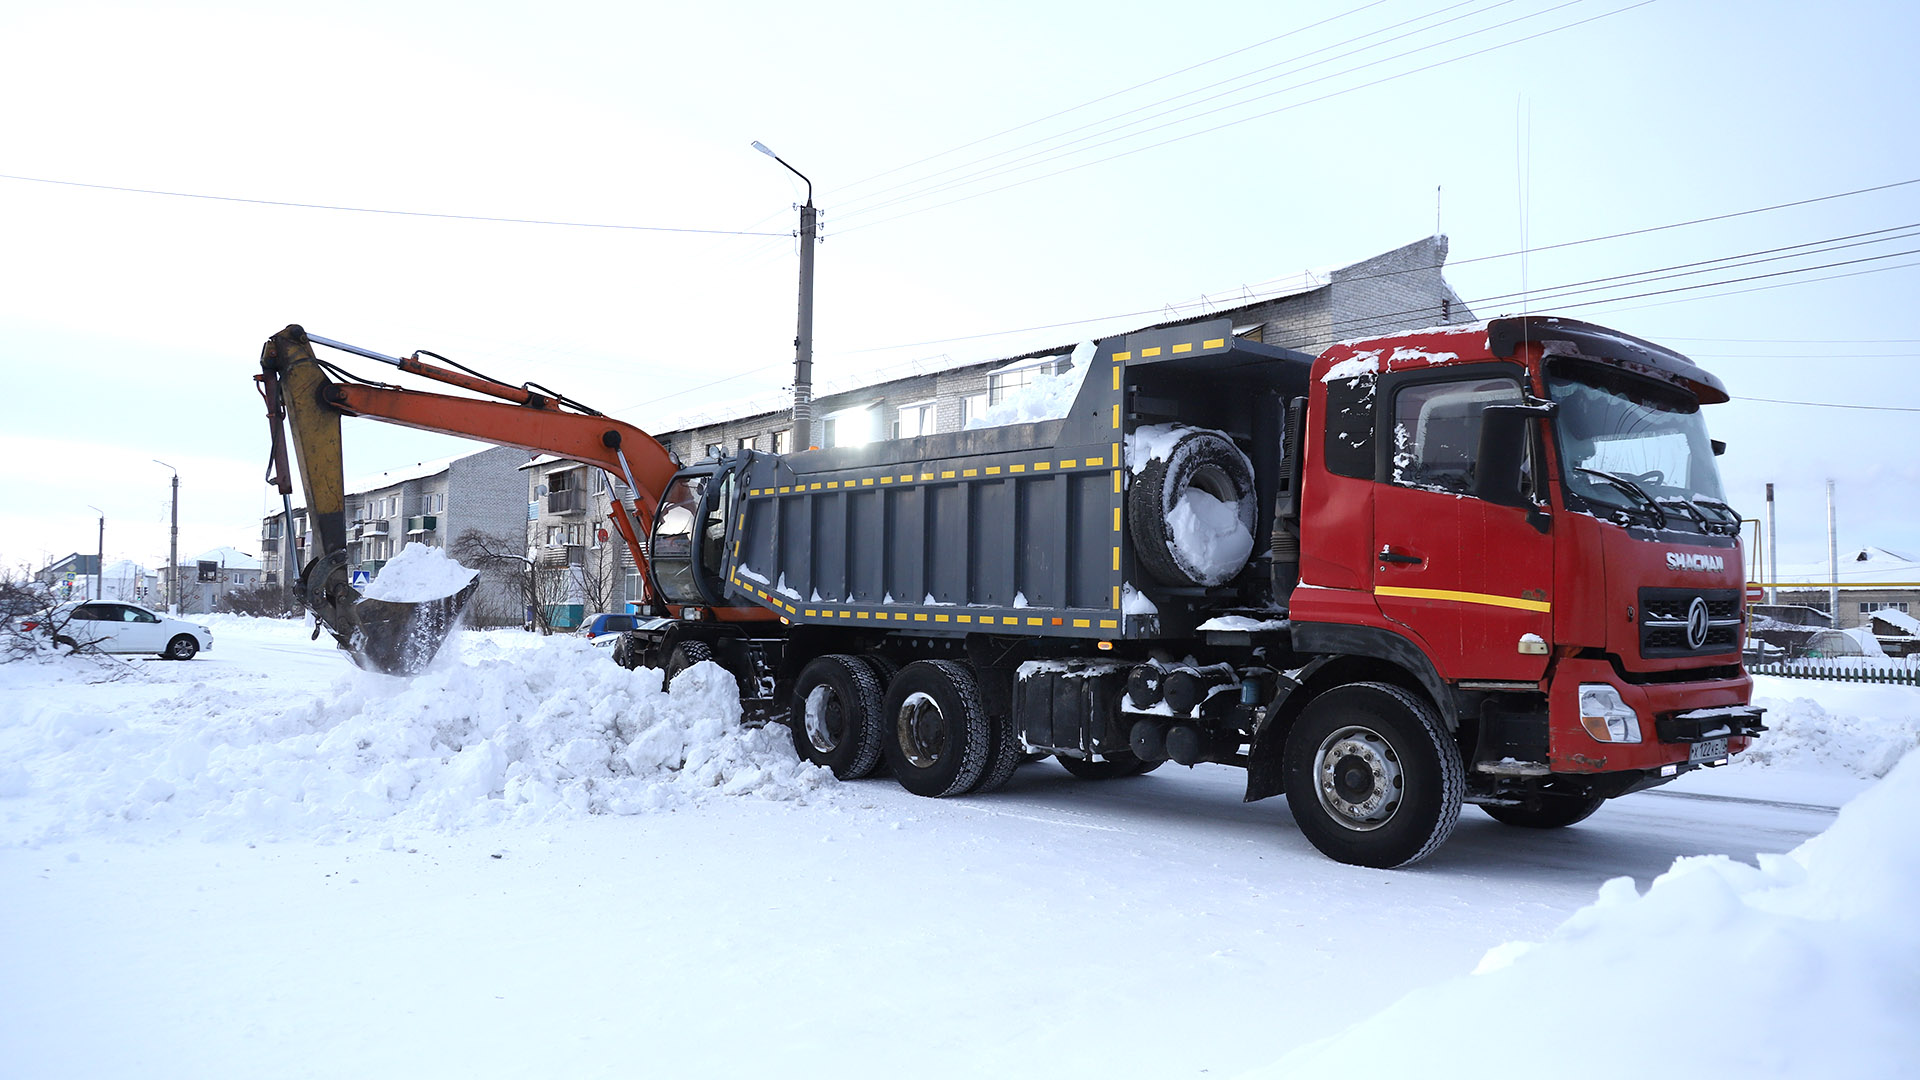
x,y
100,556
803,338
173,546
1773,554
1833,560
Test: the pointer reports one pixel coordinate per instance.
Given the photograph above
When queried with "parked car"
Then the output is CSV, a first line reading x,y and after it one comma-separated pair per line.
x,y
116,627
604,630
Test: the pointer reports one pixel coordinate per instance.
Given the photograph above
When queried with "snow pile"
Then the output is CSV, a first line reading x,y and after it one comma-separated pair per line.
x,y
1803,735
418,573
1806,965
506,733
1047,397
1154,442
1209,536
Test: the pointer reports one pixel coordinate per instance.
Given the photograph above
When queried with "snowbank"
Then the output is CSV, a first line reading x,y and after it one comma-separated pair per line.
x,y
1806,965
1862,731
498,731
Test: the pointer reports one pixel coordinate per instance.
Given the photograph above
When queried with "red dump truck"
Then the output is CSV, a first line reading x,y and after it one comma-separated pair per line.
x,y
1486,564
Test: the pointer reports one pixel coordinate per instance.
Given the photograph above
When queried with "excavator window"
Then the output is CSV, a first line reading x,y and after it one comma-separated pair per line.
x,y
672,549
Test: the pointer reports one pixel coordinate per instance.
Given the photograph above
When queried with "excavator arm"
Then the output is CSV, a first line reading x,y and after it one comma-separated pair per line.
x,y
305,402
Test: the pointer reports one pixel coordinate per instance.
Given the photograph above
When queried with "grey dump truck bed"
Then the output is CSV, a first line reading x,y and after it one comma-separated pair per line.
x,y
1016,529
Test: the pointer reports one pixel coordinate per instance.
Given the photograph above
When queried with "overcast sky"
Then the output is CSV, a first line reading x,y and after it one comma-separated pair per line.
x,y
981,168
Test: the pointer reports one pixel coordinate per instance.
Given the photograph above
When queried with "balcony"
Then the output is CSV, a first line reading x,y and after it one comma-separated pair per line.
x,y
558,555
570,501
425,523
369,528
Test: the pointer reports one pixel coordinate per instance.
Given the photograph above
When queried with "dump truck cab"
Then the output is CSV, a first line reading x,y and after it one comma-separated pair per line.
x,y
1532,508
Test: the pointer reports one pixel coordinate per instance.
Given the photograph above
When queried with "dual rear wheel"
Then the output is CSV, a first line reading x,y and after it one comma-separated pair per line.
x,y
927,722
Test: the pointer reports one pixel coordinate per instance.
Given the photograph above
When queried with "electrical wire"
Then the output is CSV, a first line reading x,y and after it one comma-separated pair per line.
x,y
376,210
1258,116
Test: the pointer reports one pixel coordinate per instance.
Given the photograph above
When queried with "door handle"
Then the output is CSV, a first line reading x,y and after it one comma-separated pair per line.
x,y
1388,555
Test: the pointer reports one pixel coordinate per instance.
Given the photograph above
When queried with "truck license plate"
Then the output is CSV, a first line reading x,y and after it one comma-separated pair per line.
x,y
1710,750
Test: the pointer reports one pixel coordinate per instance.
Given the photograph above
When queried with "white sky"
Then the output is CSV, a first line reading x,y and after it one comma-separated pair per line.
x,y
130,324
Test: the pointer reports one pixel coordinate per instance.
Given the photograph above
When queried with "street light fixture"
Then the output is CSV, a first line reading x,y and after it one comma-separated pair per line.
x,y
173,546
803,338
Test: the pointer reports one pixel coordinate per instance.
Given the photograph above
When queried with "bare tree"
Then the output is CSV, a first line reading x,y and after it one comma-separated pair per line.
x,y
500,560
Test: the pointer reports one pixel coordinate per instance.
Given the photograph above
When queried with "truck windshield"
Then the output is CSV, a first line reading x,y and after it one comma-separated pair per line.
x,y
1632,445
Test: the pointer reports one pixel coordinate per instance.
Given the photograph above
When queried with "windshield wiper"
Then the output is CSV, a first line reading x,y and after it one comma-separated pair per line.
x,y
1632,489
1731,524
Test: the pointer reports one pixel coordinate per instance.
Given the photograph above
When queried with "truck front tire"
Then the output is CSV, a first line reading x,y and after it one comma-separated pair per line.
x,y
1373,778
936,734
835,715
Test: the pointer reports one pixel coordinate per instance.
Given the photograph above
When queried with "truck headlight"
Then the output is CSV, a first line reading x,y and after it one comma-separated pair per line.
x,y
1605,716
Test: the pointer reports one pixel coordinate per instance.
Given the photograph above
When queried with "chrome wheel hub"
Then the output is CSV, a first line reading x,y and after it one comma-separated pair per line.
x,y
1357,776
922,731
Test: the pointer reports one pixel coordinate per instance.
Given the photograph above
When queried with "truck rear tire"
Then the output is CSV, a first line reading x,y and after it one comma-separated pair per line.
x,y
685,654
1202,462
835,715
1373,778
1114,767
936,734
1546,811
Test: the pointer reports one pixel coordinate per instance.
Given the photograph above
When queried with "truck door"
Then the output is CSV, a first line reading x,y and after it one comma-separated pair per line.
x,y
1472,580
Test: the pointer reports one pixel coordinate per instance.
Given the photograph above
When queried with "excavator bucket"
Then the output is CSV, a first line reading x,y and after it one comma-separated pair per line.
x,y
395,638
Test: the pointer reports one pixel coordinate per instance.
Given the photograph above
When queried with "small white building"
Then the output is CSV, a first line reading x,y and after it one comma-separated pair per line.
x,y
207,577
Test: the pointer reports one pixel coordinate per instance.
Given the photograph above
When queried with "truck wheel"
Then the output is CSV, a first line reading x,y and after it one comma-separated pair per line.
x,y
1006,754
685,654
1115,767
1546,811
1208,472
182,647
1373,779
835,715
937,736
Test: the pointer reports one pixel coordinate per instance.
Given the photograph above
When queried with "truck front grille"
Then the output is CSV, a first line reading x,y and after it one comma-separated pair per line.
x,y
1668,623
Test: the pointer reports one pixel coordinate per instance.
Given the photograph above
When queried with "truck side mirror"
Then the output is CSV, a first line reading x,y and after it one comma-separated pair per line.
x,y
1502,454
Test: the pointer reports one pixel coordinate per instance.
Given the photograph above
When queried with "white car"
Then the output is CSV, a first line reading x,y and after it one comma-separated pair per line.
x,y
116,627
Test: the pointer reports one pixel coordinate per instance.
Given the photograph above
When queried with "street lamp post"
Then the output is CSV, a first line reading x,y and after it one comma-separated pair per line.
x,y
100,556
173,545
803,338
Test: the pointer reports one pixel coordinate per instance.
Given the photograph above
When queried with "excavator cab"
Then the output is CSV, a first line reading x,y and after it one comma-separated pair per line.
x,y
689,536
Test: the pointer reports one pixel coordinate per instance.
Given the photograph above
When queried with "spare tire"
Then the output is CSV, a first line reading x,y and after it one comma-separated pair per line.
x,y
1191,512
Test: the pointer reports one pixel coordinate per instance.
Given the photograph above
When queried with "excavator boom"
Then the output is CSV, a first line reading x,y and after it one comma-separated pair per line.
x,y
304,406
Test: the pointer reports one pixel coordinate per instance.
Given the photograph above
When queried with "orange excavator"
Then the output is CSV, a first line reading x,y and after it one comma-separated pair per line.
x,y
307,396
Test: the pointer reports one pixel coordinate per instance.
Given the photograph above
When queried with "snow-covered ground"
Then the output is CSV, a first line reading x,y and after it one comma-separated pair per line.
x,y
529,862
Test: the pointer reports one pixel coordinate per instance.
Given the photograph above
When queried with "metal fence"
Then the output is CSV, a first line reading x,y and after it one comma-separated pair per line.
x,y
1844,669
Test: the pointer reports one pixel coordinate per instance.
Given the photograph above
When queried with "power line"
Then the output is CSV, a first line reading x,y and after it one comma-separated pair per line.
x,y
1110,96
1259,116
1832,405
375,210
1054,138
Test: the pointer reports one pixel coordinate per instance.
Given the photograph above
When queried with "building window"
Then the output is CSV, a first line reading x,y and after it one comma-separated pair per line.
x,y
782,440
848,427
972,407
744,443
1002,383
915,420
1867,607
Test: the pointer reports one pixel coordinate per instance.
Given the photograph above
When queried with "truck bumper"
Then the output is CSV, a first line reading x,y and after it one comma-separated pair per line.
x,y
1680,723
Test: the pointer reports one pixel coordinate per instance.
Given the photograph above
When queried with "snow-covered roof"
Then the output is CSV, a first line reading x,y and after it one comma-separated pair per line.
x,y
1900,621
231,558
1862,565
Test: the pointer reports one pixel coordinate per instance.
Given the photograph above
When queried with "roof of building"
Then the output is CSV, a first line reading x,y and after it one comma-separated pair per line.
x,y
231,558
1899,621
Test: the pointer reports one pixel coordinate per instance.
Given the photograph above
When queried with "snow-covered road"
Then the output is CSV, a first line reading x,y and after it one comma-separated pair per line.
x,y
1154,927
